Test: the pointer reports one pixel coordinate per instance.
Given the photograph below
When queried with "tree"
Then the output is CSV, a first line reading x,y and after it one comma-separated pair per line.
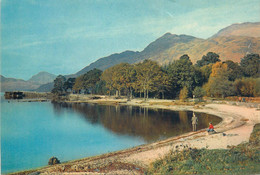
x,y
183,74
199,92
123,77
234,70
87,81
90,79
206,70
59,84
163,84
211,57
183,94
218,84
148,74
100,87
248,87
69,84
251,65
107,76
78,86
185,57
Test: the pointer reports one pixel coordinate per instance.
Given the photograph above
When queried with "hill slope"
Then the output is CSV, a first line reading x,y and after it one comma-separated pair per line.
x,y
231,43
158,46
244,29
12,84
42,78
229,48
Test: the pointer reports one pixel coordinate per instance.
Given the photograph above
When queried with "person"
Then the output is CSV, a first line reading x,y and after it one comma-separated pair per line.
x,y
211,127
194,120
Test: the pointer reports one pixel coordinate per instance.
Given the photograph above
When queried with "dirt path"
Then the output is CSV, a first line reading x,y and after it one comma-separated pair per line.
x,y
237,124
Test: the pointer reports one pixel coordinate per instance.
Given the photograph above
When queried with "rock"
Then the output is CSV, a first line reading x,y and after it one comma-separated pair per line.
x,y
53,161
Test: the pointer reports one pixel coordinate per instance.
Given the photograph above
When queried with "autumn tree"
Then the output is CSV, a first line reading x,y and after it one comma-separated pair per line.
x,y
183,94
218,84
123,77
211,57
107,76
148,74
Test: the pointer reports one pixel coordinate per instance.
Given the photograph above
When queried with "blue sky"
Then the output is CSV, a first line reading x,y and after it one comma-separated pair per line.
x,y
64,36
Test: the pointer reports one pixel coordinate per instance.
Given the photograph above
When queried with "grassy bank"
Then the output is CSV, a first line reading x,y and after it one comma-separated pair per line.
x,y
242,159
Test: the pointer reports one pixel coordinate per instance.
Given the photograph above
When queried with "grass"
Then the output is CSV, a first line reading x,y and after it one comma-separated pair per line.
x,y
242,159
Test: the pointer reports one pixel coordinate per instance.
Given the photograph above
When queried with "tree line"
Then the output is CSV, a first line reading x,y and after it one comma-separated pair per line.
x,y
178,79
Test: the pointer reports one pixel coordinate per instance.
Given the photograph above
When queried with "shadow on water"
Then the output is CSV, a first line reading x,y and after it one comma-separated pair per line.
x,y
151,125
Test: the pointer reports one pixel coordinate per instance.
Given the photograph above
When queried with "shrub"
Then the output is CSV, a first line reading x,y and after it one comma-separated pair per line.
x,y
183,94
248,87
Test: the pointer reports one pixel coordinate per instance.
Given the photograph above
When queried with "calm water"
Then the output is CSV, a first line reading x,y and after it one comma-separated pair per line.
x,y
33,132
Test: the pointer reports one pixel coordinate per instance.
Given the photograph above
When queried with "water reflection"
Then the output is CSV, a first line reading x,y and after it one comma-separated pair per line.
x,y
151,125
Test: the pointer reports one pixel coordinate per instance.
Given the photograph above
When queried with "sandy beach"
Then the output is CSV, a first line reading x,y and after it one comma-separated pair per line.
x,y
237,125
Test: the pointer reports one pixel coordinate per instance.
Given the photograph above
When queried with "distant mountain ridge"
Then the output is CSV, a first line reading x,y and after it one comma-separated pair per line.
x,y
160,45
231,43
13,84
244,29
42,78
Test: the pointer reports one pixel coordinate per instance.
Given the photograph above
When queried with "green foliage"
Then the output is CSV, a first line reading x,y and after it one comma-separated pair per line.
x,y
251,65
184,94
100,88
211,57
234,70
206,71
59,84
243,159
69,83
199,92
248,87
182,73
185,57
87,81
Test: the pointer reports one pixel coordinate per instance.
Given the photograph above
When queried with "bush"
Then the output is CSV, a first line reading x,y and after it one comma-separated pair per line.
x,y
53,161
249,87
183,94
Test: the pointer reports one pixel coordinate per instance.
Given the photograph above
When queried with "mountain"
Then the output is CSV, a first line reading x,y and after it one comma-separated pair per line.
x,y
160,45
45,87
42,78
106,62
228,48
244,29
12,84
231,43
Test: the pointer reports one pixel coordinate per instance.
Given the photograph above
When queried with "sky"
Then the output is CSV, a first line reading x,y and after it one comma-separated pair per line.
x,y
64,36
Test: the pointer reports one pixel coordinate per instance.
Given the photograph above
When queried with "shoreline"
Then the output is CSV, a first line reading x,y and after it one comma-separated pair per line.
x,y
237,123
